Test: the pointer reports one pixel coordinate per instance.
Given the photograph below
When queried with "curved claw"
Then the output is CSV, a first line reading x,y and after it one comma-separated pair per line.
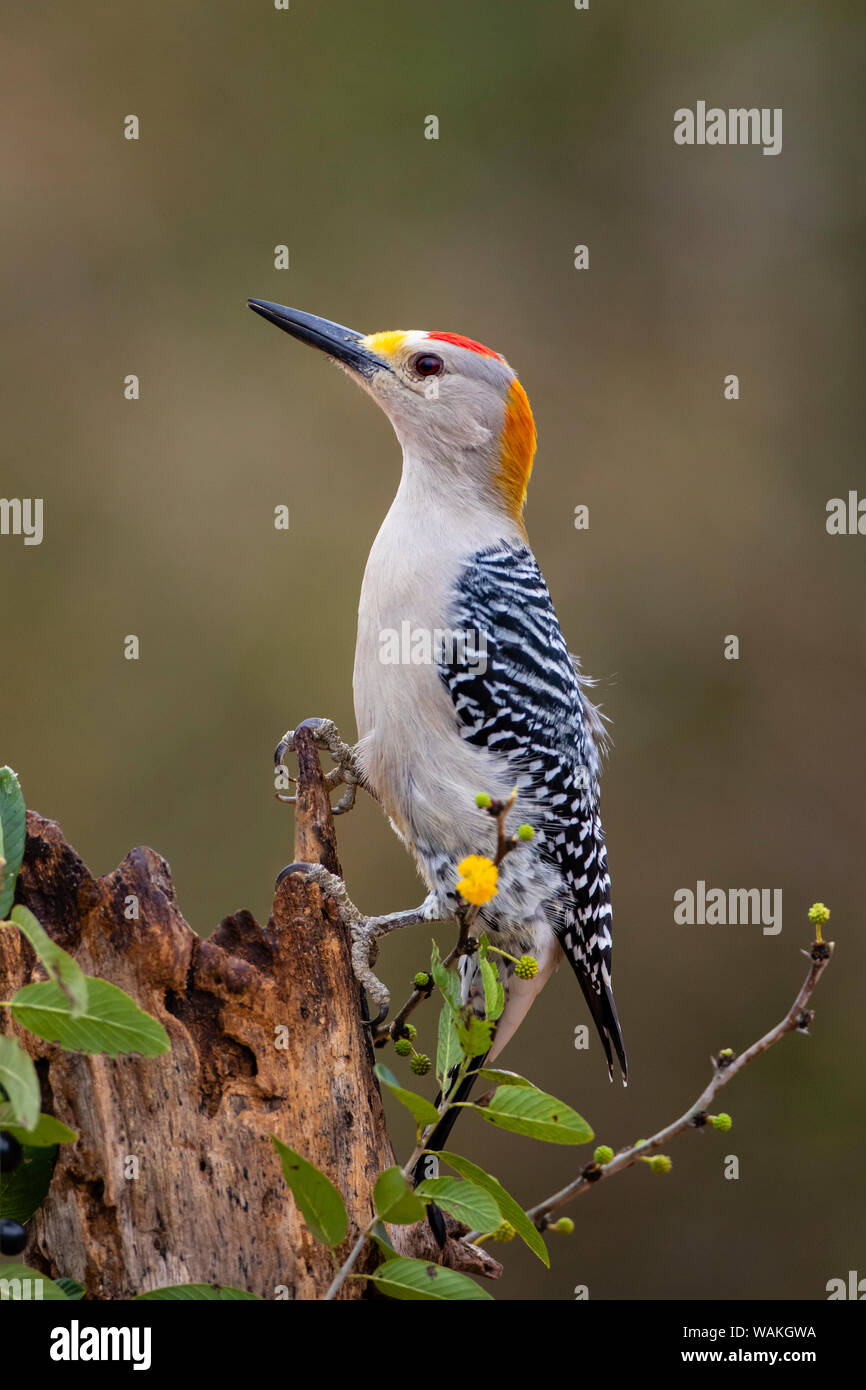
x,y
374,1023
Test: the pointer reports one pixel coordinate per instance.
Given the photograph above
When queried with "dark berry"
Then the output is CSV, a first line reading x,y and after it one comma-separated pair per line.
x,y
13,1237
10,1152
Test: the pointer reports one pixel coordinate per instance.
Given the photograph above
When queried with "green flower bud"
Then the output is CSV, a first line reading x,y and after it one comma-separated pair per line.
x,y
503,1232
422,979
660,1163
526,968
722,1122
420,1064
403,1047
564,1225
819,914
482,801
410,1031
602,1155
525,832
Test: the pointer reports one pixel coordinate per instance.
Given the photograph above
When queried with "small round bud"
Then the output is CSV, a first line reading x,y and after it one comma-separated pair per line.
x,y
403,1047
565,1226
504,1232
722,1122
422,979
660,1163
819,914
410,1031
726,1054
526,968
482,801
420,1064
525,832
603,1154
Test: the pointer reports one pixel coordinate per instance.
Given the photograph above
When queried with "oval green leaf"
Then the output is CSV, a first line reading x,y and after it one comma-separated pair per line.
x,y
413,1281
48,1132
20,1082
196,1293
509,1208
13,819
448,1051
65,971
462,1200
394,1199
423,1111
23,1191
320,1203
525,1110
111,1022
476,1035
505,1078
17,1282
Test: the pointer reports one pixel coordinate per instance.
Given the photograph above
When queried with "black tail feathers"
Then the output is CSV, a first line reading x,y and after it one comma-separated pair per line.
x,y
606,1019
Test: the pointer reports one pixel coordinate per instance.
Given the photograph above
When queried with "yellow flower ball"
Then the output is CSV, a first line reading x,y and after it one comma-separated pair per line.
x,y
478,879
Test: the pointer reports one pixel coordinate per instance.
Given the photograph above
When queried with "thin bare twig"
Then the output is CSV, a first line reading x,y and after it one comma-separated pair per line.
x,y
726,1067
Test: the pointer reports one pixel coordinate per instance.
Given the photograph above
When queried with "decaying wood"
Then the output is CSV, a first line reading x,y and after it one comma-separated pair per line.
x,y
174,1178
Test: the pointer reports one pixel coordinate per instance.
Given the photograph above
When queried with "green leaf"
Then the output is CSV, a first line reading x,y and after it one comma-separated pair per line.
x,y
320,1203
13,1277
20,1082
66,972
382,1240
423,1111
13,819
463,1200
505,1078
494,991
448,981
111,1022
413,1280
73,1290
48,1132
525,1110
23,1191
448,1050
394,1199
509,1208
476,1035
195,1293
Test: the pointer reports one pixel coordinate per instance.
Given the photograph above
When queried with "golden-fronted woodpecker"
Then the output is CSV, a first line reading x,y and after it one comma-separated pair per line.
x,y
500,703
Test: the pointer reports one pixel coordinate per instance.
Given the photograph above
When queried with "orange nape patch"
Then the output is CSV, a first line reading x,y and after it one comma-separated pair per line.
x,y
459,341
385,344
517,450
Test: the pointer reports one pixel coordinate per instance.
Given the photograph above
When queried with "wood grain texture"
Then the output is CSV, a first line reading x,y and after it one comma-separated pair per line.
x,y
267,1038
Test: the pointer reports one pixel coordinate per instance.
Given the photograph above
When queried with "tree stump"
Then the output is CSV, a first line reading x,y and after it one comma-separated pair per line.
x,y
173,1178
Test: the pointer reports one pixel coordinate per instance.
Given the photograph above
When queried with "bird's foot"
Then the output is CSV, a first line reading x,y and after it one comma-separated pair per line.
x,y
326,737
364,934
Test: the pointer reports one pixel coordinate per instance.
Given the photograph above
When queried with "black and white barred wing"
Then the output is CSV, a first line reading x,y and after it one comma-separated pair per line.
x,y
523,703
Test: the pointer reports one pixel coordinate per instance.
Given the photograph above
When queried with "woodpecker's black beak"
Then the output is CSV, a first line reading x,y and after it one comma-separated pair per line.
x,y
343,344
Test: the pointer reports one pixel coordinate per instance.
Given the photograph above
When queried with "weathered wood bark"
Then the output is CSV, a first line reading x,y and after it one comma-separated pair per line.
x,y
267,1038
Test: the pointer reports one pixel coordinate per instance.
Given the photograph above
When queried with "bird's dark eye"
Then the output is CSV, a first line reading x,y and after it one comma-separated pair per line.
x,y
427,364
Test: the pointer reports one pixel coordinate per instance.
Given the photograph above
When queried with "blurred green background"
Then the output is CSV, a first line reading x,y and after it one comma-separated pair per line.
x,y
707,517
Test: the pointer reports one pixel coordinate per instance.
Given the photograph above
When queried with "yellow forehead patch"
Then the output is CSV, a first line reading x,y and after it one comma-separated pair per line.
x,y
385,344
517,449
